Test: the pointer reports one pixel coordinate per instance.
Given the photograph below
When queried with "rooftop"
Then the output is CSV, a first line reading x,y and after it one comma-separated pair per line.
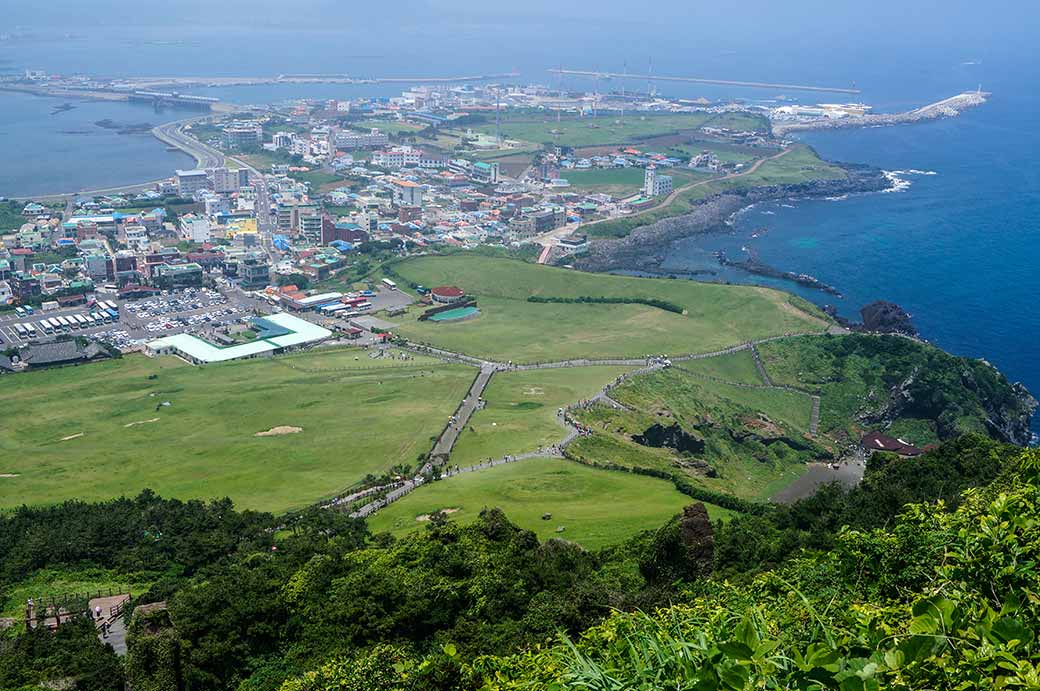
x,y
276,331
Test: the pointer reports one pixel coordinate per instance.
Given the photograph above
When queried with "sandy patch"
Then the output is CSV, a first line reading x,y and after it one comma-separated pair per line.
x,y
73,436
141,422
9,474
278,431
426,516
534,391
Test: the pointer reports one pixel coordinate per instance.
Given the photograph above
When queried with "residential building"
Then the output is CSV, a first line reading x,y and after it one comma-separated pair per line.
x,y
348,140
195,228
243,134
191,181
406,193
655,185
254,271
483,172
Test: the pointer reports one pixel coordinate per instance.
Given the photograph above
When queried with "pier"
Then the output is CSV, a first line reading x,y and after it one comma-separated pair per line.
x,y
946,108
699,80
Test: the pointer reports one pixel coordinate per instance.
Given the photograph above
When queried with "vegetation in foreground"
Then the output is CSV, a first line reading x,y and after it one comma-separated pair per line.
x,y
512,328
903,582
356,415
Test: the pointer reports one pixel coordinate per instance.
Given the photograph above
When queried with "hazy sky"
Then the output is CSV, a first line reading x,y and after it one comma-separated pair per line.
x,y
903,20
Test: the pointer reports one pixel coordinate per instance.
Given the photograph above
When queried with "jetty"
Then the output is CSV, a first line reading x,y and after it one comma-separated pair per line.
x,y
946,108
561,72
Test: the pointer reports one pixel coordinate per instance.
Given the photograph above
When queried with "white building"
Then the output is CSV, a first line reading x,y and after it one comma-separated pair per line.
x,y
195,228
655,185
348,140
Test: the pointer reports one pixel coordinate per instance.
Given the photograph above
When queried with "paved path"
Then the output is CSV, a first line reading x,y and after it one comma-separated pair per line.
x,y
112,615
446,441
458,421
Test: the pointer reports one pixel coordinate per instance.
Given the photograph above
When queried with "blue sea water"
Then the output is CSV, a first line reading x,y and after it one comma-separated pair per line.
x,y
958,249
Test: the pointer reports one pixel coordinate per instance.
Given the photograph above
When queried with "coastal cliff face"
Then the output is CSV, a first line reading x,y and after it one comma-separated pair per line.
x,y
640,250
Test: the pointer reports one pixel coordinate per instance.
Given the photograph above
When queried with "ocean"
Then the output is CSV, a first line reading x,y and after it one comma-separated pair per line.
x,y
957,245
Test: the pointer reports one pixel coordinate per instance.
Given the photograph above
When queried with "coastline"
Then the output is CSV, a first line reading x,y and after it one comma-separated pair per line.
x,y
641,249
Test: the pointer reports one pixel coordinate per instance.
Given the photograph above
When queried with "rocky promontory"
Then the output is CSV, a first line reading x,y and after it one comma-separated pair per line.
x,y
641,249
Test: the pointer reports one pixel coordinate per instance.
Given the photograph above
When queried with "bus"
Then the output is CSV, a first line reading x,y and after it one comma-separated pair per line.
x,y
389,284
81,321
29,309
22,332
31,330
45,324
108,304
20,311
363,306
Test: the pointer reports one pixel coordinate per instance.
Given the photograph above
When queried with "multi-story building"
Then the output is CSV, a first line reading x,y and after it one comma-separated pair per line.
x,y
310,225
243,134
283,140
347,140
24,287
254,271
195,228
288,214
177,276
655,185
225,181
406,193
191,181
486,173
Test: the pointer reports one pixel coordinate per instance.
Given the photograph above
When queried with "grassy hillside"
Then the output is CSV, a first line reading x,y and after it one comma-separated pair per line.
x,y
594,507
521,410
95,431
510,328
797,165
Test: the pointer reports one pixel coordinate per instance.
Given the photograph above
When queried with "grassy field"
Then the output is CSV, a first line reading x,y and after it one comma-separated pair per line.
x,y
319,181
94,432
388,126
617,182
573,131
521,411
736,367
510,328
595,507
747,433
50,583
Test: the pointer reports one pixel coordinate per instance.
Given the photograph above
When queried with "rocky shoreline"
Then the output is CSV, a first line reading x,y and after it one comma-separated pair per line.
x,y
641,250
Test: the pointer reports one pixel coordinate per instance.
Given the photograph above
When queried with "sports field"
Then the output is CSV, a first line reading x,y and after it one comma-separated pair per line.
x,y
521,411
594,507
510,328
99,431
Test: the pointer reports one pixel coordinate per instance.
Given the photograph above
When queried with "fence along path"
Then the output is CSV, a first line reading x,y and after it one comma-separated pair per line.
x,y
446,440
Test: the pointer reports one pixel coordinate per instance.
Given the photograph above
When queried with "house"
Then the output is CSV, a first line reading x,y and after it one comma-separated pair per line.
x,y
875,441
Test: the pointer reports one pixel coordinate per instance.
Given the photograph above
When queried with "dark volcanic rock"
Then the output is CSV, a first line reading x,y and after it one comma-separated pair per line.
x,y
673,437
684,549
887,317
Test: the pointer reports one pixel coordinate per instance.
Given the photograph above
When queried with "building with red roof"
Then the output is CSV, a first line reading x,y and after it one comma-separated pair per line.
x,y
447,294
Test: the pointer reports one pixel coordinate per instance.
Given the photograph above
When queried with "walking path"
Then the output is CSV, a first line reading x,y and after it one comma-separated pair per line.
x,y
440,454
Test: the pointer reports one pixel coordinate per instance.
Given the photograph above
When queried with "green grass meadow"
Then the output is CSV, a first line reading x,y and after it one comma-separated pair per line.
x,y
94,432
595,507
521,411
510,328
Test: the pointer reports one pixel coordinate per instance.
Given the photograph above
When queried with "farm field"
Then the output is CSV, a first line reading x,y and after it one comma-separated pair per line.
x,y
595,507
580,132
510,328
521,411
99,431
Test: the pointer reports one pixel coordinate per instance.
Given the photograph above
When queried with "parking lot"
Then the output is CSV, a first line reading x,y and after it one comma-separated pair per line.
x,y
140,320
